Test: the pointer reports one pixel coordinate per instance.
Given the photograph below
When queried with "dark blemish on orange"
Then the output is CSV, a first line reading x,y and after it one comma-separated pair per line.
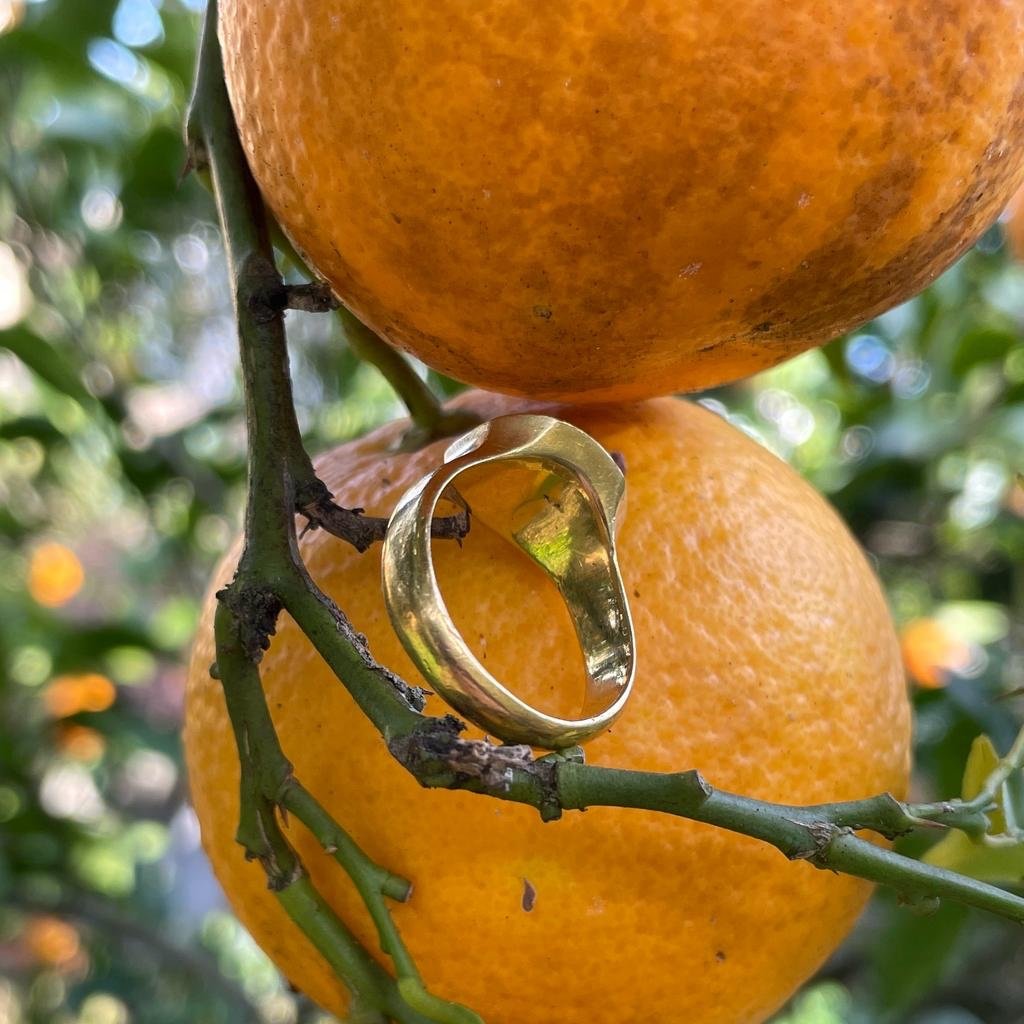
x,y
810,299
529,895
972,44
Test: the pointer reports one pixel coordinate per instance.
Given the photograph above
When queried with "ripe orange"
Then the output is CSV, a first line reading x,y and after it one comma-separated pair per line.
x,y
596,201
767,659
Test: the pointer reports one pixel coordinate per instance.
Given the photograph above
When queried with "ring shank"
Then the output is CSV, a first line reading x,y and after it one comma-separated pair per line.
x,y
568,530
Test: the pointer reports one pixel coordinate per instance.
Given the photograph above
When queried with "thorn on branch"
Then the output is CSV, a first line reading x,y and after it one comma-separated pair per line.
x,y
315,297
197,154
260,290
278,881
920,904
362,531
268,296
261,840
187,168
287,781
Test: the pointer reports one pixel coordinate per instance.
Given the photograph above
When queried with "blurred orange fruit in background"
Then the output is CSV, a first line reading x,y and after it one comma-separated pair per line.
x,y
71,694
55,575
51,941
932,652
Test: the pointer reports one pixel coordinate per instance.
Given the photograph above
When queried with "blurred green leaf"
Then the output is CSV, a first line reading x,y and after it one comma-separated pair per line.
x,y
826,1003
978,622
981,763
985,344
958,852
911,956
975,857
46,362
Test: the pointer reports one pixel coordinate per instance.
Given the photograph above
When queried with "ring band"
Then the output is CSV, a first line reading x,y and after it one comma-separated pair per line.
x,y
566,524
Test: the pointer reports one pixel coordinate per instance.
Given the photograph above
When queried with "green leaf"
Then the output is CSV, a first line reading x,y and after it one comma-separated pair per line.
x,y
985,344
959,852
981,762
909,956
49,365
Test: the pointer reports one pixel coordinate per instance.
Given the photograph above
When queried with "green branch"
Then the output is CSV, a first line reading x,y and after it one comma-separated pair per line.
x,y
430,420
434,752
248,608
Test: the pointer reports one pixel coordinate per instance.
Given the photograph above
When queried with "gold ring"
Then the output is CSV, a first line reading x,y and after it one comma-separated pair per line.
x,y
566,524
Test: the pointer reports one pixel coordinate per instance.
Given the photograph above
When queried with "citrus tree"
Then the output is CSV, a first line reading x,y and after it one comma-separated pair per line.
x,y
936,507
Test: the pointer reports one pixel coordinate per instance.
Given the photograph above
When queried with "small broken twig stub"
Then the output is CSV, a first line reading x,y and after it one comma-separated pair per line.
x,y
255,610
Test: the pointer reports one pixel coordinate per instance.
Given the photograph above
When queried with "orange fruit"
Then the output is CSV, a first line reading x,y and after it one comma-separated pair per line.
x,y
51,941
69,695
766,658
587,201
55,575
931,652
80,742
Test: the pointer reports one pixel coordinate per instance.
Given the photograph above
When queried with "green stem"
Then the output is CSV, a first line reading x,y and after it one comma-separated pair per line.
x,y
432,750
429,417
264,773
971,816
822,835
297,800
373,884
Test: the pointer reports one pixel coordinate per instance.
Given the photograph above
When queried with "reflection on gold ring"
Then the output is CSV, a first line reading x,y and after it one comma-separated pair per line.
x,y
567,526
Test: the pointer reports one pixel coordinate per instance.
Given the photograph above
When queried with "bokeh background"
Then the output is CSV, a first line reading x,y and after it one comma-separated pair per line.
x,y
121,462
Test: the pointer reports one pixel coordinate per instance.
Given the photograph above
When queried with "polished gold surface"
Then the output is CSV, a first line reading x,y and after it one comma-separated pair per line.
x,y
566,523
